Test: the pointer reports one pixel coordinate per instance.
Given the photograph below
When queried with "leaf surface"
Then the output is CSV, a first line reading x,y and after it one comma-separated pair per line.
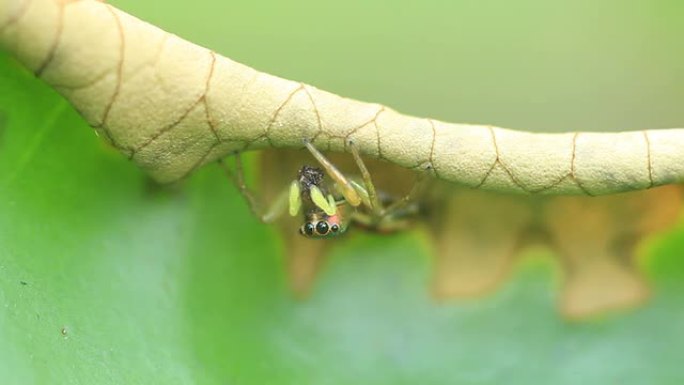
x,y
107,278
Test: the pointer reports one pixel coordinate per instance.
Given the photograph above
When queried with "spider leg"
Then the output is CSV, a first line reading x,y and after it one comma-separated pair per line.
x,y
345,186
375,205
398,215
384,219
385,225
274,211
396,207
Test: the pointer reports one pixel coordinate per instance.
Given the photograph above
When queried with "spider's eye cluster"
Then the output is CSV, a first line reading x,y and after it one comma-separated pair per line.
x,y
321,228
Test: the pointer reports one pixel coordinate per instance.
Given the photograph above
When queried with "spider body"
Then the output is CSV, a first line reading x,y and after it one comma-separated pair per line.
x,y
329,207
306,178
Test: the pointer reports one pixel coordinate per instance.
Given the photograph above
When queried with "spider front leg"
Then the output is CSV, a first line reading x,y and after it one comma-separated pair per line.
x,y
347,188
287,199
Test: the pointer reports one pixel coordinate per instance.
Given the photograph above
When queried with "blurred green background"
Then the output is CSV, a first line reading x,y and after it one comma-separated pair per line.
x,y
107,278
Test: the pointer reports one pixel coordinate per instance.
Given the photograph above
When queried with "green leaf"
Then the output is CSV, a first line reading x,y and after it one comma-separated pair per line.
x,y
106,278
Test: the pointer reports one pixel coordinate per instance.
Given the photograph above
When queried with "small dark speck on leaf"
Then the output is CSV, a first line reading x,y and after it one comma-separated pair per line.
x,y
64,332
23,283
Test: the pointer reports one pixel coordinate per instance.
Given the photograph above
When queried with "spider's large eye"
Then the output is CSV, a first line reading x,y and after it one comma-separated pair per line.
x,y
309,228
322,227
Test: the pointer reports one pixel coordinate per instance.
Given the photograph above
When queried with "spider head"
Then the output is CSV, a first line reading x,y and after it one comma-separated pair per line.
x,y
324,217
319,225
